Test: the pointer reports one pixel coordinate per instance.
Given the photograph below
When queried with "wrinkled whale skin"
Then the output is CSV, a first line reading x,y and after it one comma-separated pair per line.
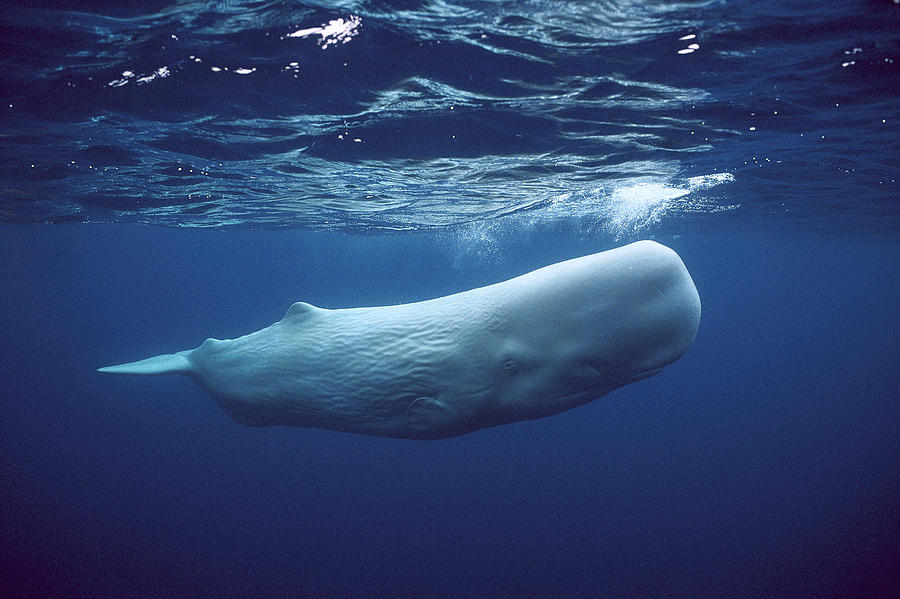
x,y
529,347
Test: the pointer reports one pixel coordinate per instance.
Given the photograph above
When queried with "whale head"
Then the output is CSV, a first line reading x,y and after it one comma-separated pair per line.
x,y
576,330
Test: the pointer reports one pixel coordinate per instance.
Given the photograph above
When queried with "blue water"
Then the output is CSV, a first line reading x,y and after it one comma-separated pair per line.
x,y
174,172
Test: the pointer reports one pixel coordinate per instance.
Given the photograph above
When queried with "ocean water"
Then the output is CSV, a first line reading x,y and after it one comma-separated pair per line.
x,y
176,171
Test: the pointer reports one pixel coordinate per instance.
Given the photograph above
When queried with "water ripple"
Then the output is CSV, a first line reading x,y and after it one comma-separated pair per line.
x,y
402,115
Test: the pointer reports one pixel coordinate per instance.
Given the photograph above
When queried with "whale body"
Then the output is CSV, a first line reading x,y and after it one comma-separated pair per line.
x,y
532,346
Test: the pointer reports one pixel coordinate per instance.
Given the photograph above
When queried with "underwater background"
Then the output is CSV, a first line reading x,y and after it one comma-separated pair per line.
x,y
176,171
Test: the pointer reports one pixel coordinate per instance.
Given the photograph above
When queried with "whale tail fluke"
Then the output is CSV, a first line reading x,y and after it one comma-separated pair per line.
x,y
178,363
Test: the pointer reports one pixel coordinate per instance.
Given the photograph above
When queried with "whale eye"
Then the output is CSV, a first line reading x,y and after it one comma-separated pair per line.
x,y
510,365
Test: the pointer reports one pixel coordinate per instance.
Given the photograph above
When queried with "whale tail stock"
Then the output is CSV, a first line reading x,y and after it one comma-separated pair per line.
x,y
178,363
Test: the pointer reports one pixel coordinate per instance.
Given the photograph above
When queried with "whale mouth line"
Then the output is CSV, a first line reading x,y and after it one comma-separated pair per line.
x,y
643,374
635,376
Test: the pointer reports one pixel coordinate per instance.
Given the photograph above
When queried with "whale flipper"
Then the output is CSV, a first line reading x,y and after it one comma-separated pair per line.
x,y
427,414
165,364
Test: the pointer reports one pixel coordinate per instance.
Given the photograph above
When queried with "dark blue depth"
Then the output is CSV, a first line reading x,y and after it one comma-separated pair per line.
x,y
764,463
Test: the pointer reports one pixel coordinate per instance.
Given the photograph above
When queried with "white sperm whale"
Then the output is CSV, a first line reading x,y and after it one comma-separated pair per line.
x,y
532,346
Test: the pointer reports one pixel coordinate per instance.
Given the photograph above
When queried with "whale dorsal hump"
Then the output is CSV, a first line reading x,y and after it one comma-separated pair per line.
x,y
299,310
